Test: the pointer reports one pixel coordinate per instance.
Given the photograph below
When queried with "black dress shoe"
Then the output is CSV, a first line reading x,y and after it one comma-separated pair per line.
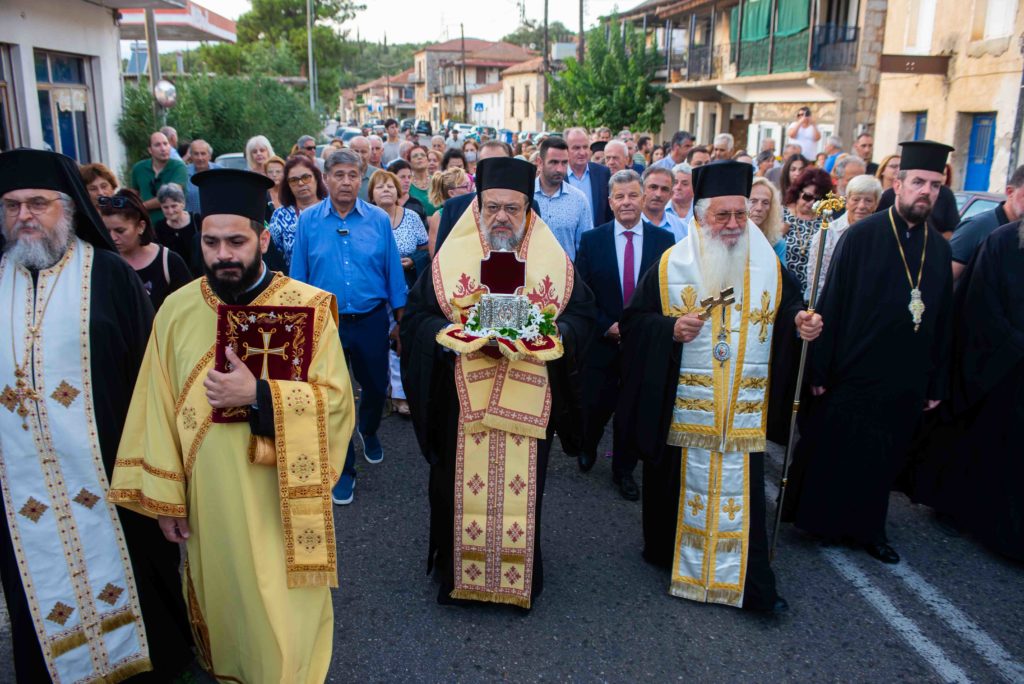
x,y
586,461
883,552
780,607
627,487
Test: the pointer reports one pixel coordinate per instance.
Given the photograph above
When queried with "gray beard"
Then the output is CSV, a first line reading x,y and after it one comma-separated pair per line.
x,y
505,243
40,254
721,266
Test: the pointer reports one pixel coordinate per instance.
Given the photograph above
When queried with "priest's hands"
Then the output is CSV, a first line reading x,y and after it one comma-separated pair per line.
x,y
612,333
175,529
235,388
687,328
809,325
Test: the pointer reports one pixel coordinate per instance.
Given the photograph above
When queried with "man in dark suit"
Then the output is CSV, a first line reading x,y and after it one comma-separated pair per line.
x,y
456,206
611,259
586,176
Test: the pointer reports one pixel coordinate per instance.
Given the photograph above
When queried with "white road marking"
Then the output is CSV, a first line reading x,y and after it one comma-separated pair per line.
x,y
988,648
904,626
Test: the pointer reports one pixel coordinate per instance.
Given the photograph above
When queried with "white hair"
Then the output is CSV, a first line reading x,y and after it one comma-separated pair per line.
x,y
253,143
682,167
844,160
575,129
864,184
618,143
727,139
701,206
835,141
375,138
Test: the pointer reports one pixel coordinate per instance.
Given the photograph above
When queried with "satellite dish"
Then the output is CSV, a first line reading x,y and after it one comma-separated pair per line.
x,y
165,93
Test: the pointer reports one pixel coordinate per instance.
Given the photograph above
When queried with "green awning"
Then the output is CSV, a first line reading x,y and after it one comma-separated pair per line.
x,y
793,17
757,19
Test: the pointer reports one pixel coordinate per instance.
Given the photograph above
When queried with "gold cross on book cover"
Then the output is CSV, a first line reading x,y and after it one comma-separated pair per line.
x,y
274,342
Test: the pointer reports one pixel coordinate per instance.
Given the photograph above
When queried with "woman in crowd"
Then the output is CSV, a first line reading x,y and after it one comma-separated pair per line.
x,y
257,153
453,158
470,153
99,181
766,213
419,185
433,161
765,162
657,154
403,172
800,221
160,270
743,156
177,229
275,172
862,195
887,171
791,170
302,188
444,186
411,237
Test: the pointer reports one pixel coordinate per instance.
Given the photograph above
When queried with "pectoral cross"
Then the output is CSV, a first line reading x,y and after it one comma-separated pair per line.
x,y
16,399
266,351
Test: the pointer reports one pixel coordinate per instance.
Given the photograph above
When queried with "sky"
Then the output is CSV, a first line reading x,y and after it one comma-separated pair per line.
x,y
436,20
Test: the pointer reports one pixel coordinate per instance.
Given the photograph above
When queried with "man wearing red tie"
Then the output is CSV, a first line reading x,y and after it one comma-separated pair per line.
x,y
610,261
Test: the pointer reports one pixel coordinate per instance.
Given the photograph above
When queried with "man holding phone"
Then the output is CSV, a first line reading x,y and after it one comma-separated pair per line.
x,y
804,132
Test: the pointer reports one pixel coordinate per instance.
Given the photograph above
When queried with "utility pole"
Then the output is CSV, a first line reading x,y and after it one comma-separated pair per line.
x,y
153,57
579,41
309,55
465,95
547,55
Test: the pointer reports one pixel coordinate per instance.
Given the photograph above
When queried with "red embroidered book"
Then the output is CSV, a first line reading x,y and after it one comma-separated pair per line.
x,y
275,342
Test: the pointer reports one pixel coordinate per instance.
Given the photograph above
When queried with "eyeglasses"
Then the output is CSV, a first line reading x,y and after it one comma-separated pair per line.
x,y
724,216
311,148
510,209
116,202
467,186
301,180
808,197
36,205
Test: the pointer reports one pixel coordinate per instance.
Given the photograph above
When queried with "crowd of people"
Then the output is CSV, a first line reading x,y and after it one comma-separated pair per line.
x,y
498,295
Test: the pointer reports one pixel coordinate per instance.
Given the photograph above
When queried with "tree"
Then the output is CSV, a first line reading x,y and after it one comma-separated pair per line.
x,y
276,19
225,111
531,34
612,88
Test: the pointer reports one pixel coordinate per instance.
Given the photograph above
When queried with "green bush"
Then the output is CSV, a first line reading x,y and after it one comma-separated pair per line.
x,y
223,110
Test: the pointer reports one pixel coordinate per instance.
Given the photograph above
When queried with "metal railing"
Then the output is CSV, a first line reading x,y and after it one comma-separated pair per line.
x,y
835,47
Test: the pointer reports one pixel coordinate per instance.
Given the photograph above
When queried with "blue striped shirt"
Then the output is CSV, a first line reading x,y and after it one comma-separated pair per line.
x,y
566,213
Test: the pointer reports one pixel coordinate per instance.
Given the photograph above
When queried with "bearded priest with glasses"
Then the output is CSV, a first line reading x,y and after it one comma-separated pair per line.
x,y
697,340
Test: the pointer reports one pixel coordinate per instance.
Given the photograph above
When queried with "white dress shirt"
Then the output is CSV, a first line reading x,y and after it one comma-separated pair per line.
x,y
620,248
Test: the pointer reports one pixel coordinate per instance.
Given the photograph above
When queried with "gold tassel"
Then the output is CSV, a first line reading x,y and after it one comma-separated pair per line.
x,y
490,597
62,646
262,451
693,441
745,445
729,597
129,670
298,579
109,624
688,591
729,545
692,540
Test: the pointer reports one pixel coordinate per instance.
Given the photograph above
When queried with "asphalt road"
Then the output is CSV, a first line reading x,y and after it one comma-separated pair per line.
x,y
950,612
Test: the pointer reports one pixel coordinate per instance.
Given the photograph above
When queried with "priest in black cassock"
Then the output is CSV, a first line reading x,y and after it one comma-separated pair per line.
x,y
973,471
694,397
882,361
93,592
485,403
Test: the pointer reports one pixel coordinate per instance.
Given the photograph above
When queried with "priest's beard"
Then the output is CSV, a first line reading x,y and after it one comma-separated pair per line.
x,y
722,266
41,252
916,212
229,289
508,239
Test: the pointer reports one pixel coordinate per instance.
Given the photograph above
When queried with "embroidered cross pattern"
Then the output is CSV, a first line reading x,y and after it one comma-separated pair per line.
x,y
61,613
65,394
517,485
188,418
732,508
689,296
309,540
475,484
86,498
9,398
474,530
110,594
515,533
303,467
763,317
473,571
513,575
33,509
266,351
544,293
296,400
478,438
696,505
518,439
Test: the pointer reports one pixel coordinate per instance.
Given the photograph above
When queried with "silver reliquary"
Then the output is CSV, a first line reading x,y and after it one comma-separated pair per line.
x,y
497,311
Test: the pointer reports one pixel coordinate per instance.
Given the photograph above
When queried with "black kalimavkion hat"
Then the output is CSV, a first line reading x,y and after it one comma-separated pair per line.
x,y
722,178
233,191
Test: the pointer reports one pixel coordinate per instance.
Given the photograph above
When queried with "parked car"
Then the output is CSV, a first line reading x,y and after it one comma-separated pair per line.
x,y
346,133
423,127
970,203
406,124
489,131
232,160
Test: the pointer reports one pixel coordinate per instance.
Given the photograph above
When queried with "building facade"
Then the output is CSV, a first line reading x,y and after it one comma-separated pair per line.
x,y
523,94
487,106
426,76
479,69
388,97
952,72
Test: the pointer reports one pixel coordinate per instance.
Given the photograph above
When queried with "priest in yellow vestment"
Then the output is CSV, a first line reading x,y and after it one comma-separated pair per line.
x,y
239,464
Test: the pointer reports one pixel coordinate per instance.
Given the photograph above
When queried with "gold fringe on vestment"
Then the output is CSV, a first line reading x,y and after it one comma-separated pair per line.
x,y
128,670
491,597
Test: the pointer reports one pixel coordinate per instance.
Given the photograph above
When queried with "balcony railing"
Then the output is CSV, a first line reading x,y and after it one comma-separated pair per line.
x,y
834,48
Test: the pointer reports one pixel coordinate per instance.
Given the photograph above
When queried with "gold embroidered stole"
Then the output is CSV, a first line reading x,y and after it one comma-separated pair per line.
x,y
298,450
505,404
718,418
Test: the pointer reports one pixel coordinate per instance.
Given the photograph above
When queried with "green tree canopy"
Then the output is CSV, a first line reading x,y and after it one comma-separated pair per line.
x,y
223,110
532,33
613,87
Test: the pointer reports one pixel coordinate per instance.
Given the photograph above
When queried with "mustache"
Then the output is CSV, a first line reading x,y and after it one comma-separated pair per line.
x,y
221,265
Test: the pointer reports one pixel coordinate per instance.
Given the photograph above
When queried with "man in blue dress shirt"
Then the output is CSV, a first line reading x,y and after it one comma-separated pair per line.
x,y
589,178
564,208
345,246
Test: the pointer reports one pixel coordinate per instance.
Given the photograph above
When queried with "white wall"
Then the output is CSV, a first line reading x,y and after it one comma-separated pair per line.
x,y
74,27
494,110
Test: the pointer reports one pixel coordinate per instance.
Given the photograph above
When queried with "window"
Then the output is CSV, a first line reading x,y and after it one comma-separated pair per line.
x,y
913,125
993,19
481,75
512,101
63,103
8,128
920,23
526,101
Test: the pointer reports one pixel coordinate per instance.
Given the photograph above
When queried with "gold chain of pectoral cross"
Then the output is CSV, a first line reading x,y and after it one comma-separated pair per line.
x,y
17,399
916,306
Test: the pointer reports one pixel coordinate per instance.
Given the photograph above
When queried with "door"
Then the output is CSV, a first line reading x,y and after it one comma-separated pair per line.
x,y
979,153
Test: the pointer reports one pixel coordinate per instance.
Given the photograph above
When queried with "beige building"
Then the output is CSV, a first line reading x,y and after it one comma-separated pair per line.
x,y
523,95
745,66
487,106
388,97
952,73
481,68
426,76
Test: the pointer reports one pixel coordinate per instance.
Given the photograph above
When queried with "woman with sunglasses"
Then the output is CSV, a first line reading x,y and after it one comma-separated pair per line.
x,y
302,187
800,222
160,270
443,186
